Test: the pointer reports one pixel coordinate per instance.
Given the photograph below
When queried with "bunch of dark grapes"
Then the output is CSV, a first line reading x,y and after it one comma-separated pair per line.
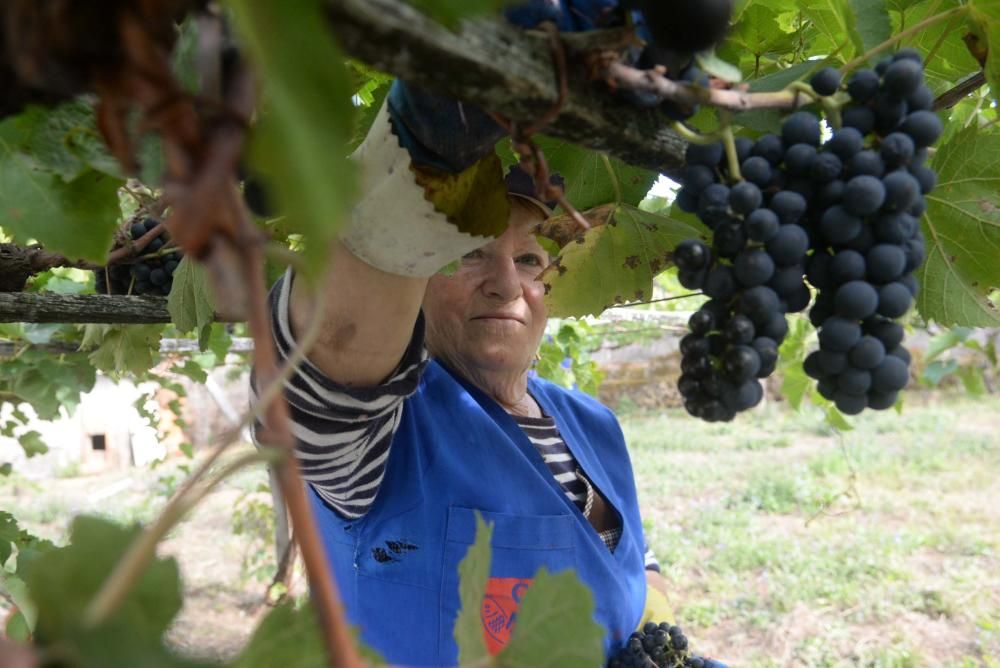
x,y
866,237
657,646
753,273
844,213
151,273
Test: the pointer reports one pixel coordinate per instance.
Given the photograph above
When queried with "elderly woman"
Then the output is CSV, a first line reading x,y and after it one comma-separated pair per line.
x,y
417,409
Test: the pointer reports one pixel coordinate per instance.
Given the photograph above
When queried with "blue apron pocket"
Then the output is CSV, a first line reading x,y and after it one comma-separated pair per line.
x,y
521,545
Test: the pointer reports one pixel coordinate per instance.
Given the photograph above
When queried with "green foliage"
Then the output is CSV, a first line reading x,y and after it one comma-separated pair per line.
x,y
122,349
969,365
190,302
306,115
985,15
473,574
614,262
592,178
565,360
253,518
962,225
45,381
554,604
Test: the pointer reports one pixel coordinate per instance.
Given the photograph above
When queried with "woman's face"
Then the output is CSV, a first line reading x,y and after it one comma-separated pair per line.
x,y
489,316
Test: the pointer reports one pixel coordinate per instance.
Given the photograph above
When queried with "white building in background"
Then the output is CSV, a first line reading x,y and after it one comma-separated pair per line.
x,y
104,433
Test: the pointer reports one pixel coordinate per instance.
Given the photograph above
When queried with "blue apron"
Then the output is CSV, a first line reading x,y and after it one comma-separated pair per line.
x,y
457,451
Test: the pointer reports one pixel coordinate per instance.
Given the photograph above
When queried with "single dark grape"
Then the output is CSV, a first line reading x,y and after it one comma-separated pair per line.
x,y
140,271
753,267
158,277
788,246
739,330
757,170
866,162
854,381
827,388
821,309
708,155
787,280
856,300
902,353
687,201
720,283
845,143
767,350
891,375
863,241
916,252
775,327
692,279
741,363
744,148
713,204
154,245
863,85
744,197
825,168
911,283
880,401
170,266
812,368
867,353
864,195
921,99
901,191
717,344
697,177
761,225
729,240
770,148
894,300
691,255
897,150
696,367
802,127
918,207
908,53
136,230
888,332
861,119
883,65
839,226
799,158
924,127
789,206
744,396
839,334
150,223
701,322
885,263
903,77
826,81
926,177
758,303
831,363
849,404
894,228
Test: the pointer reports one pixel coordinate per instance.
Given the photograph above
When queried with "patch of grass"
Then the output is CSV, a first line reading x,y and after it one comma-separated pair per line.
x,y
845,542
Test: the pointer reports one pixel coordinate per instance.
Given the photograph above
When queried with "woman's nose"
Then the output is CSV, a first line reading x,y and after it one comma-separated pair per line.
x,y
502,280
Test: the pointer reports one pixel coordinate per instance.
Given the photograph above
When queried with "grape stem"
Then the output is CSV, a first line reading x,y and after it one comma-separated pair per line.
x,y
695,137
912,30
614,177
729,143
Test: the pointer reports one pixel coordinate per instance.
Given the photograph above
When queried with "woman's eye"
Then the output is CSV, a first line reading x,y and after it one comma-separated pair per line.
x,y
533,260
473,255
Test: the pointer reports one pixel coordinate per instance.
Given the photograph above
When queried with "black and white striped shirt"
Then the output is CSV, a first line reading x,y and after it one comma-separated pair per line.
x,y
343,433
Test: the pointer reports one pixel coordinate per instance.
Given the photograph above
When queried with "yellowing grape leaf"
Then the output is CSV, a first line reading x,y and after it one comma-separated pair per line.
x,y
614,262
474,200
962,226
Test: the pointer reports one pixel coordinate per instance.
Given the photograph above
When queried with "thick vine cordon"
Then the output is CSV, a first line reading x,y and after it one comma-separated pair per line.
x,y
843,214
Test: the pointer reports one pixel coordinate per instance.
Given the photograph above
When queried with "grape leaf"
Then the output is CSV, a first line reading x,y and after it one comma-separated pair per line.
x,y
834,20
62,582
32,444
871,20
474,200
985,14
190,302
591,177
952,60
120,349
757,32
64,140
305,120
962,226
75,218
553,606
614,262
473,573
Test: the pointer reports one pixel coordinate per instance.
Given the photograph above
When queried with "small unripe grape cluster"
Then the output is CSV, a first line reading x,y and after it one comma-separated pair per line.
x,y
844,213
656,646
151,273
